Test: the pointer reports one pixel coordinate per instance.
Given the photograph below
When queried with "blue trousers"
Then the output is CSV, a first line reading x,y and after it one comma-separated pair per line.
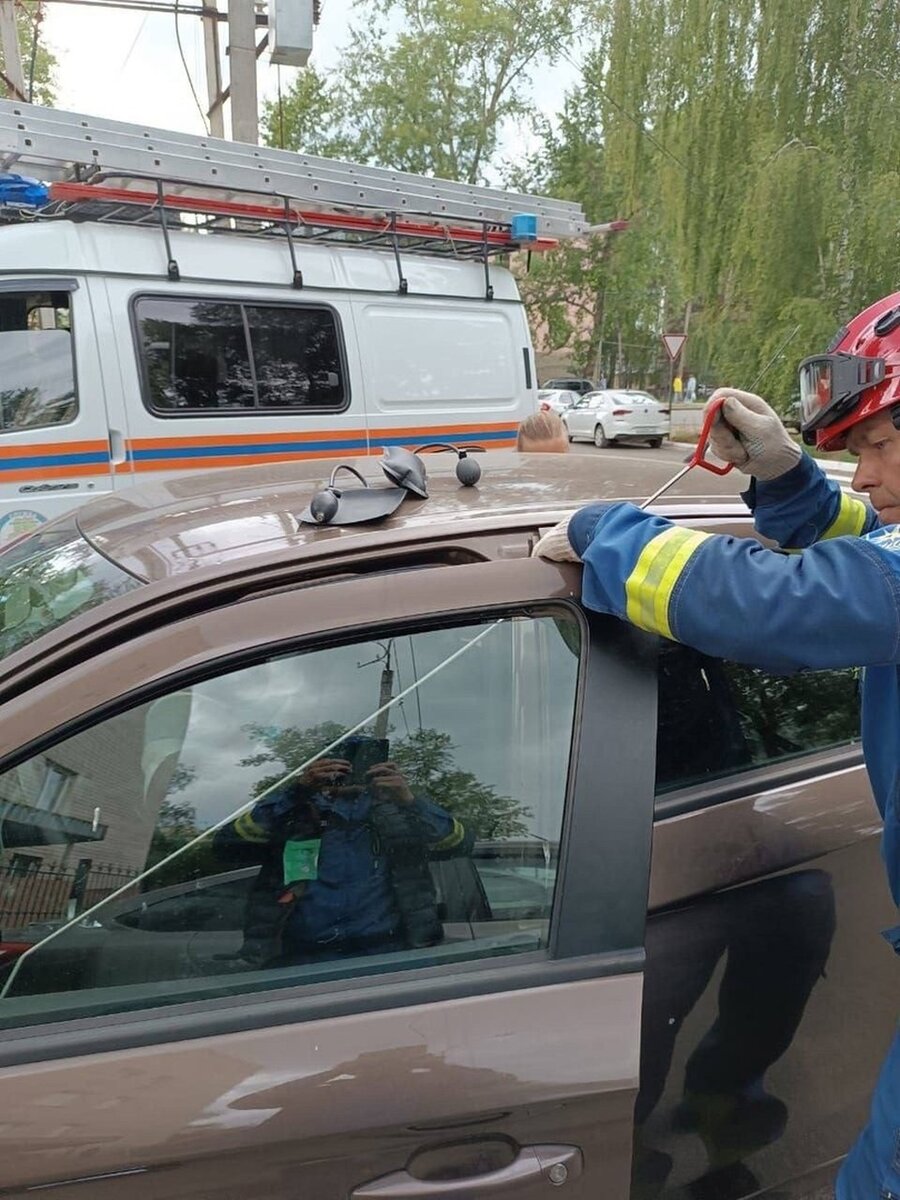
x,y
872,1168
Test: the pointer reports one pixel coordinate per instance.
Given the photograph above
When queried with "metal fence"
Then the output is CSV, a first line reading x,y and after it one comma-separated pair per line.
x,y
38,893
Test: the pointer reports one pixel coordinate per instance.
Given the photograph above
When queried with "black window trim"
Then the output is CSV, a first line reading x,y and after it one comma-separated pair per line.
x,y
32,285
243,302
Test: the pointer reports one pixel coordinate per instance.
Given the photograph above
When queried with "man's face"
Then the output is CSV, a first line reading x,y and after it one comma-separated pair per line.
x,y
876,444
557,445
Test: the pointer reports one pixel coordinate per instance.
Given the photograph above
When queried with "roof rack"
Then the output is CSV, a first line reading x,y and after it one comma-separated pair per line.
x,y
109,171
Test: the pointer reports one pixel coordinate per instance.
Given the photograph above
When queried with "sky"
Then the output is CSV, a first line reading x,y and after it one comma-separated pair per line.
x,y
125,65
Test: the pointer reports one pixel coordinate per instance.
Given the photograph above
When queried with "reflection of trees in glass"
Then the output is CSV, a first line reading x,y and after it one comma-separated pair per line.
x,y
37,595
176,826
426,759
790,714
44,590
197,356
28,408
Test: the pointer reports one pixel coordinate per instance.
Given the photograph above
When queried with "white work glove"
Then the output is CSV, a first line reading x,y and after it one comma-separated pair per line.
x,y
757,441
555,545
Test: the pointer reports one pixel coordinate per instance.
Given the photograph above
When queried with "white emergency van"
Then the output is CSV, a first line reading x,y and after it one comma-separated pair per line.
x,y
176,304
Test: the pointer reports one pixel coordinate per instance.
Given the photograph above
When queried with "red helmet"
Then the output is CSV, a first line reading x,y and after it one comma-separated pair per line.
x,y
857,377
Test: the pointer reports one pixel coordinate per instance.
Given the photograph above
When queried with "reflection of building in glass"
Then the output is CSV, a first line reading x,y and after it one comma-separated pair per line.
x,y
77,822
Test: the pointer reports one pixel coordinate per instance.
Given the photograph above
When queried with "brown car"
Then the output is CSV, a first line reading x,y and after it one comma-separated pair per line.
x,y
326,856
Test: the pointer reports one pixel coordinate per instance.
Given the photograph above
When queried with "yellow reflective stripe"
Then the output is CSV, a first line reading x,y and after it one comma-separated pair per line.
x,y
649,587
850,520
453,839
245,827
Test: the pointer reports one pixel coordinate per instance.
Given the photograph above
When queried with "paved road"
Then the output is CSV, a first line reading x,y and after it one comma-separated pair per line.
x,y
674,452
677,452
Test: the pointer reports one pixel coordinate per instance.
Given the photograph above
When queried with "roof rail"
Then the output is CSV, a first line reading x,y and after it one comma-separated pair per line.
x,y
67,147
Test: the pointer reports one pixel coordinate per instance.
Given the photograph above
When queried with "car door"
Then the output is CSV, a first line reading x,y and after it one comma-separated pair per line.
x,y
767,900
54,438
497,1055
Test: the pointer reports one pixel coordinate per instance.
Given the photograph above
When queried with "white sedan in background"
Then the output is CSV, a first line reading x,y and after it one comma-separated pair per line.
x,y
617,416
557,400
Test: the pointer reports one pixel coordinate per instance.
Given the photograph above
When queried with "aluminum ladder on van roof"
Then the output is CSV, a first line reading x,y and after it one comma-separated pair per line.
x,y
60,146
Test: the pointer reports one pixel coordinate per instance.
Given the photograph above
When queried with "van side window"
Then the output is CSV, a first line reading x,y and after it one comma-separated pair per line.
x,y
37,362
210,356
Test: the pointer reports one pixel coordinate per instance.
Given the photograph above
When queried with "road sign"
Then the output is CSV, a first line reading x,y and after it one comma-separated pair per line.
x,y
673,343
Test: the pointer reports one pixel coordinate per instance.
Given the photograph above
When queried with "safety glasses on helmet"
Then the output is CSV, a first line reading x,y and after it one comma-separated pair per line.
x,y
831,386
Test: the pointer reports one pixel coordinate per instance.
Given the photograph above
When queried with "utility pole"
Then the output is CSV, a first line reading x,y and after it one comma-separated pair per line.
x,y
385,694
215,111
12,75
242,54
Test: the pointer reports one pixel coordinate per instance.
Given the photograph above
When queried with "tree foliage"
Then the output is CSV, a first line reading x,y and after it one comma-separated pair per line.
x,y
424,85
28,20
425,757
740,141
750,145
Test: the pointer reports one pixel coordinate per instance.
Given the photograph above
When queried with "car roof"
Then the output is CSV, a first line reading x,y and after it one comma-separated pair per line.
x,y
183,524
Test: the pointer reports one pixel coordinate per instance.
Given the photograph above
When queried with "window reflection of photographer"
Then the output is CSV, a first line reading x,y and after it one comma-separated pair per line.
x,y
344,851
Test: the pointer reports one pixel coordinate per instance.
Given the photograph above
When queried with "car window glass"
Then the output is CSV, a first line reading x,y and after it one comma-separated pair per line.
x,y
269,826
49,578
717,718
296,357
37,361
208,356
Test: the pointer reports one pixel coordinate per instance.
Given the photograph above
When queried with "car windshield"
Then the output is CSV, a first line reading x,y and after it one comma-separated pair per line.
x,y
50,577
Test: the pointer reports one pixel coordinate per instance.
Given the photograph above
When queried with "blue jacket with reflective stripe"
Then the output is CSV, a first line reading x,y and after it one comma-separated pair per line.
x,y
836,604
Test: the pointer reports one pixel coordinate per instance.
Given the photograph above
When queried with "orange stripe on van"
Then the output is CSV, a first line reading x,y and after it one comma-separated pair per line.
x,y
42,448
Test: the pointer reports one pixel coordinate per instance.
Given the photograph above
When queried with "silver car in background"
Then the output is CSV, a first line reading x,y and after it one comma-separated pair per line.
x,y
612,416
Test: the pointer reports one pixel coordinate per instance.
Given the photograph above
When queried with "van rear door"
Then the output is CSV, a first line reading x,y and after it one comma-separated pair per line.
x,y
448,369
54,444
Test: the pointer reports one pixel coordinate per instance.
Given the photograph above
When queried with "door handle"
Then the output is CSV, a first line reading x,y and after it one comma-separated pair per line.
x,y
117,452
554,1165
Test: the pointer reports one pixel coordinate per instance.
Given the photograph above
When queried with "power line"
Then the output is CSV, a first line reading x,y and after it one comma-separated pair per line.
x,y
134,43
187,71
160,6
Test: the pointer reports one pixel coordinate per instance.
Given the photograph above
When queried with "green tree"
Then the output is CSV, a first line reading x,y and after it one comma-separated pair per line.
x,y
425,85
307,118
33,50
425,757
739,140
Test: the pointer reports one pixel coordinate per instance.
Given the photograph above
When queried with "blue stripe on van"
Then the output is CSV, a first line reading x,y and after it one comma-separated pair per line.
x,y
359,444
54,460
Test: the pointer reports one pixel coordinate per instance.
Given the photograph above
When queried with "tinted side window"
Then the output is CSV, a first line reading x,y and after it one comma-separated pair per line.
x,y
271,827
206,356
717,718
37,362
296,357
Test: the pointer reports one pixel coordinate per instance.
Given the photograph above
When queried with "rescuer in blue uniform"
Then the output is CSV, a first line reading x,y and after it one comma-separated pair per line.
x,y
835,605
